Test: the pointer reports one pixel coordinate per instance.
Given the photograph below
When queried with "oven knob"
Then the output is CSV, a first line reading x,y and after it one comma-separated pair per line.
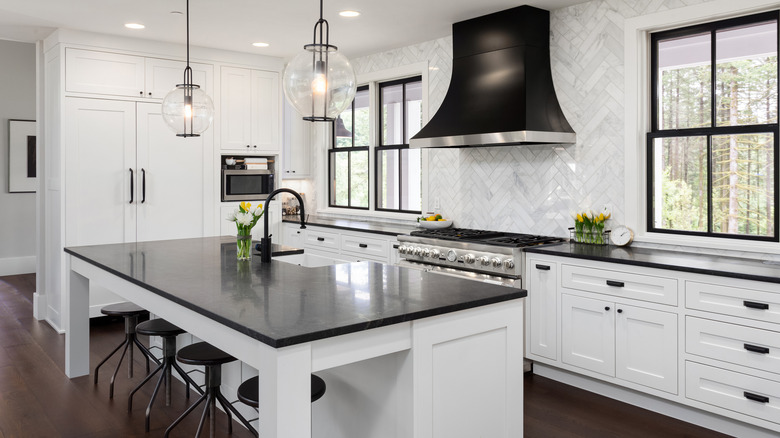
x,y
496,262
417,251
402,249
468,258
426,252
452,256
509,264
435,254
484,261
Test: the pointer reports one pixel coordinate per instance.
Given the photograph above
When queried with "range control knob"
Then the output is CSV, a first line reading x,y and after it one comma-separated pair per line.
x,y
484,261
426,252
452,255
509,264
469,258
496,262
402,249
435,254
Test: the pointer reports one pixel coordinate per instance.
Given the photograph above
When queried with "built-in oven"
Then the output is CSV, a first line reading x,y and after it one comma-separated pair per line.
x,y
247,178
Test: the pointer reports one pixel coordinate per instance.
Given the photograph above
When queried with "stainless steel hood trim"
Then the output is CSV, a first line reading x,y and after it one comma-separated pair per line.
x,y
495,138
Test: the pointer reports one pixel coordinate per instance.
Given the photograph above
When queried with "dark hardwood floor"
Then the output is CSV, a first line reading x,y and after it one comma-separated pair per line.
x,y
37,400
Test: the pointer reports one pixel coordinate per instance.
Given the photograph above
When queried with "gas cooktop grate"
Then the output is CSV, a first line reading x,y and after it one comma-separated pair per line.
x,y
497,238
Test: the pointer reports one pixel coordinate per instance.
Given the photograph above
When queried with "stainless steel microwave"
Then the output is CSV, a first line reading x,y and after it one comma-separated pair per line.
x,y
246,184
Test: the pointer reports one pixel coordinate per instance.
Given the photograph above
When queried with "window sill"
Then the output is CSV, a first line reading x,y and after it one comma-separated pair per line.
x,y
710,243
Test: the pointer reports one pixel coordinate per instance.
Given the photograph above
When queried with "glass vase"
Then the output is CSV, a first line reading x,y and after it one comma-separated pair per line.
x,y
244,246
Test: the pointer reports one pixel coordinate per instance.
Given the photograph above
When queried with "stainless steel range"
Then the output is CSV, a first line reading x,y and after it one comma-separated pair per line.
x,y
489,256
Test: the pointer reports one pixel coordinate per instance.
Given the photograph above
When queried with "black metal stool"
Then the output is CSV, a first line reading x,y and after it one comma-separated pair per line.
x,y
168,333
212,358
248,392
130,312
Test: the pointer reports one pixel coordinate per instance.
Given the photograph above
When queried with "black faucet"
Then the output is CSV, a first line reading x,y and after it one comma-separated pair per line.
x,y
265,242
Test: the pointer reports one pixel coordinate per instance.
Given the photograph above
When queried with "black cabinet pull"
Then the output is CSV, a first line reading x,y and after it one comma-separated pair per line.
x,y
543,267
756,397
755,305
607,308
131,185
143,185
756,349
321,239
396,246
615,283
362,245
620,310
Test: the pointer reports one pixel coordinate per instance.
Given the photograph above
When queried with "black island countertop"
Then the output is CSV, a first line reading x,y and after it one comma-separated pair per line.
x,y
724,266
283,304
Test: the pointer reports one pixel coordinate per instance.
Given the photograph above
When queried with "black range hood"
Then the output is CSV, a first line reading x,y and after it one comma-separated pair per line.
x,y
501,91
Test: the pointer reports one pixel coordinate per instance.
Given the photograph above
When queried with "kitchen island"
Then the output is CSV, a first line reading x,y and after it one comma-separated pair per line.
x,y
452,347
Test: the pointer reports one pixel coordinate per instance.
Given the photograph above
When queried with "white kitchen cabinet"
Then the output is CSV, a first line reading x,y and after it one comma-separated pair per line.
x,y
296,154
249,110
541,283
116,74
631,343
293,235
129,178
342,244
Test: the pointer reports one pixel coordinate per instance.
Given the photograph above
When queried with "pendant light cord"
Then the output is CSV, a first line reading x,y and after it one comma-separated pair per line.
x,y
188,33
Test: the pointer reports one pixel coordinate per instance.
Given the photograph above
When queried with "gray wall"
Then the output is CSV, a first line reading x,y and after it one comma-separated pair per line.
x,y
17,210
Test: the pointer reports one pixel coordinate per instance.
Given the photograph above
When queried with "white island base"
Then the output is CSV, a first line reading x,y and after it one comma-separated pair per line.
x,y
456,375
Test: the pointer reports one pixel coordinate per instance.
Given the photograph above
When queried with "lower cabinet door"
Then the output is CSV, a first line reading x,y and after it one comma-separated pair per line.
x,y
542,308
646,347
588,333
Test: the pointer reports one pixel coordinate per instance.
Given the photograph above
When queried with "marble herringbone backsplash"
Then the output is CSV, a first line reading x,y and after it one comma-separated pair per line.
x,y
533,188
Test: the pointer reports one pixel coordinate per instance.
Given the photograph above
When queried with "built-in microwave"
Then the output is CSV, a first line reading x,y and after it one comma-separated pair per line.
x,y
246,184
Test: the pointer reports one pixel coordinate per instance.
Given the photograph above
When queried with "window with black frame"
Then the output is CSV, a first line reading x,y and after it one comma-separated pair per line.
x,y
398,183
712,152
348,158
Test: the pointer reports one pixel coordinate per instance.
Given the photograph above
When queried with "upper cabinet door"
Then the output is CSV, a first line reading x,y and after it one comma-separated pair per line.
x,y
235,109
265,111
162,76
87,71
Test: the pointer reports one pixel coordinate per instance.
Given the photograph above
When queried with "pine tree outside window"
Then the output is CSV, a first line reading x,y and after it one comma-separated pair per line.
x,y
712,152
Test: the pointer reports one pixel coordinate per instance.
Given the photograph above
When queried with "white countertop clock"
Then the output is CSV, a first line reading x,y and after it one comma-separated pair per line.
x,y
621,235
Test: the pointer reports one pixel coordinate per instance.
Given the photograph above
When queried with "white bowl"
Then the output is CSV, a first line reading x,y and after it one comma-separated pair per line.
x,y
435,224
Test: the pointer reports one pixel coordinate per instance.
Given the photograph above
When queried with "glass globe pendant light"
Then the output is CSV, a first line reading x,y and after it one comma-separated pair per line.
x,y
187,109
320,82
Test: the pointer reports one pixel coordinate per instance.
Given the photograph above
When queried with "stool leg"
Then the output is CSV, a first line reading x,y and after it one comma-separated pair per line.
x,y
106,359
182,416
143,382
151,401
130,323
229,407
118,365
187,379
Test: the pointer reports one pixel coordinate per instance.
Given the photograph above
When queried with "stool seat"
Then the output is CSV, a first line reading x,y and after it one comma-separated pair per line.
x,y
203,353
122,309
158,327
248,391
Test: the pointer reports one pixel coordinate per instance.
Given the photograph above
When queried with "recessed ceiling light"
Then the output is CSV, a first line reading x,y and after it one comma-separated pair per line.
x,y
177,12
134,25
260,44
349,13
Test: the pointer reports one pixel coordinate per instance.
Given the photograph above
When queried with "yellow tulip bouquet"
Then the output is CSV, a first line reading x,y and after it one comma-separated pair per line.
x,y
589,227
245,218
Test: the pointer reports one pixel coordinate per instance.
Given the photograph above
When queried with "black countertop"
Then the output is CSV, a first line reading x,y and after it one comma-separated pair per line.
x,y
283,304
748,269
365,226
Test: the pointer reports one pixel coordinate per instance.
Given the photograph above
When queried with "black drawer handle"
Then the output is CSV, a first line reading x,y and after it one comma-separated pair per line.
x,y
755,397
362,245
320,239
755,305
543,267
396,246
615,283
756,349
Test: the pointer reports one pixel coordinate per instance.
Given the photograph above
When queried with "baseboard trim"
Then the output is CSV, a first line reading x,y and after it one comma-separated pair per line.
x,y
670,409
17,265
39,306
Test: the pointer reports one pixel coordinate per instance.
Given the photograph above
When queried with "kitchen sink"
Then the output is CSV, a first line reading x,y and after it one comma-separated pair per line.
x,y
309,260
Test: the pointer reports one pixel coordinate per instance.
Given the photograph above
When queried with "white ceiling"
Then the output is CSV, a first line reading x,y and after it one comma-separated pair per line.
x,y
234,24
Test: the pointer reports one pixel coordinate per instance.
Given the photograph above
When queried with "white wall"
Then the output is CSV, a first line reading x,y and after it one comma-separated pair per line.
x,y
17,210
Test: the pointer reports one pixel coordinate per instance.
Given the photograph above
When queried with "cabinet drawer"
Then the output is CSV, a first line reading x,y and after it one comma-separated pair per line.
x,y
733,391
293,235
619,283
751,347
366,246
322,240
734,301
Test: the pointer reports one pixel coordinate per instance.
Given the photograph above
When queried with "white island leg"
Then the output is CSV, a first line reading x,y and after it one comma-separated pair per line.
x,y
285,391
76,323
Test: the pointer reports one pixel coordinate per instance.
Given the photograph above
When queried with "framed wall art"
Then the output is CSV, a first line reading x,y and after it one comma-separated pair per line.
x,y
22,160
